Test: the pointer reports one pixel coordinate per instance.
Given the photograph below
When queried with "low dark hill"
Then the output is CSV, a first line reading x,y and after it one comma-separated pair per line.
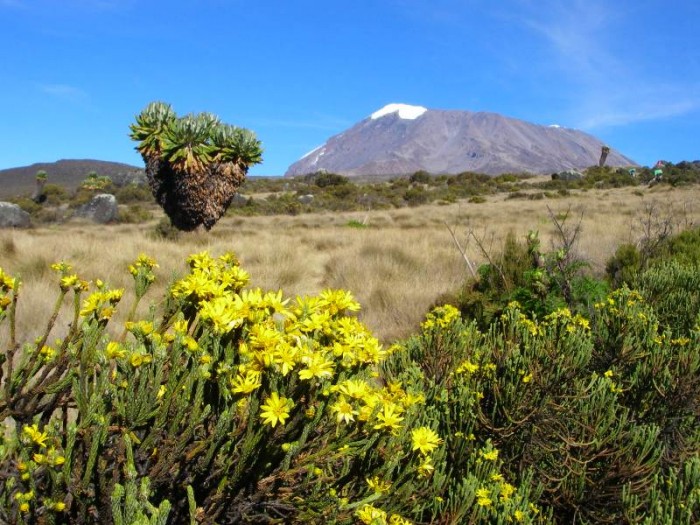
x,y
68,173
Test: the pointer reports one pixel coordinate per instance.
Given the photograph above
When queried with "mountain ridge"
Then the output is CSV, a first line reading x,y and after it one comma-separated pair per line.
x,y
401,139
68,173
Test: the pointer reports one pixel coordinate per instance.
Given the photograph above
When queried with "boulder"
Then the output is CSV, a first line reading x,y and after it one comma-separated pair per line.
x,y
305,199
568,175
239,200
12,216
102,209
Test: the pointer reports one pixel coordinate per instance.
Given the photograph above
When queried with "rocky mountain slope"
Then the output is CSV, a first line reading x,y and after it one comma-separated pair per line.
x,y
401,139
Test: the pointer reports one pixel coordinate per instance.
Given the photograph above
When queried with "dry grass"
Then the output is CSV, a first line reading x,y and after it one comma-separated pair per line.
x,y
397,266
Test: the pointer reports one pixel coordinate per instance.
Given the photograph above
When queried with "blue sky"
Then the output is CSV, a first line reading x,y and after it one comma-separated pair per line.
x,y
73,73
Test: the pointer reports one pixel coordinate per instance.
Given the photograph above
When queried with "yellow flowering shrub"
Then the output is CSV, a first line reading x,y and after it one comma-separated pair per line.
x,y
228,404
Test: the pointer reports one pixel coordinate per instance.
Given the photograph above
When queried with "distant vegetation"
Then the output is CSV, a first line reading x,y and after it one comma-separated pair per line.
x,y
332,192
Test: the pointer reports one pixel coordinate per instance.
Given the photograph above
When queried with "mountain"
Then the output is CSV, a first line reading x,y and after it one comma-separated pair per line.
x,y
66,173
401,139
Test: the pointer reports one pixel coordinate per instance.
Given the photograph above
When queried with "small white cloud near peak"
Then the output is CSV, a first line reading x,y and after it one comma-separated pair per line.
x,y
554,126
404,110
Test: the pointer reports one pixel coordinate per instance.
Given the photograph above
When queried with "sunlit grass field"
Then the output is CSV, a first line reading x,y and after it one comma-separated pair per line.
x,y
397,263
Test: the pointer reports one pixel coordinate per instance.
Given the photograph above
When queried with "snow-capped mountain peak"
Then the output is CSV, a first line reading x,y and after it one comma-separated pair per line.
x,y
405,111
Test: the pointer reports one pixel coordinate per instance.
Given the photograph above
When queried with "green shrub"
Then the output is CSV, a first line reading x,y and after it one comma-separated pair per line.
x,y
55,194
324,179
132,193
165,230
596,416
540,282
673,289
622,267
420,177
134,214
416,196
26,204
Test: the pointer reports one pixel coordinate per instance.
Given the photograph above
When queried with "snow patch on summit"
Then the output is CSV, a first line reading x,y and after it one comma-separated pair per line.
x,y
404,110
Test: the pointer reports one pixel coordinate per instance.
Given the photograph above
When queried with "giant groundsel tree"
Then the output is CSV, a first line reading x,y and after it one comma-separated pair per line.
x,y
194,164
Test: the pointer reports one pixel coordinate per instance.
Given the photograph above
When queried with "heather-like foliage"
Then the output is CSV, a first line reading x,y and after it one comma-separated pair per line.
x,y
599,414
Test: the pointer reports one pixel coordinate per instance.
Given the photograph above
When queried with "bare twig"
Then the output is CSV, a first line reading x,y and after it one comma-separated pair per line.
x,y
470,266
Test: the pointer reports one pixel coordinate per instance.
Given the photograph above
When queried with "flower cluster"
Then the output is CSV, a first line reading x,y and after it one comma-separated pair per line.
x,y
371,515
440,317
142,272
7,285
310,337
38,453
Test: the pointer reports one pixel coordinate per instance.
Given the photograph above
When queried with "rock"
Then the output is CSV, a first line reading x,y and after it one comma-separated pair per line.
x,y
239,200
305,199
568,175
12,216
102,209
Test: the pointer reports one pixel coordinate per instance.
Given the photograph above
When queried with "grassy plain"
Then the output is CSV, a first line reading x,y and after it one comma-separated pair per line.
x,y
396,262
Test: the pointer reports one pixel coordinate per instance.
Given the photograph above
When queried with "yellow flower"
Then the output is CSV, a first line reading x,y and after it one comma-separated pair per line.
x,y
338,301
519,515
245,384
317,366
47,353
61,267
426,467
395,519
354,388
425,440
483,498
344,411
379,486
285,356
137,359
371,515
468,367
490,455
37,437
68,281
59,506
608,373
507,491
389,417
24,507
527,378
275,410
115,350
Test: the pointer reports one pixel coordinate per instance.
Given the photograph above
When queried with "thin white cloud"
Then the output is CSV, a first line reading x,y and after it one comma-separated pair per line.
x,y
65,92
608,89
656,107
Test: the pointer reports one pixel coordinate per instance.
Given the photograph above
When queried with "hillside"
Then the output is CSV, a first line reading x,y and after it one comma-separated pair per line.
x,y
400,139
67,173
